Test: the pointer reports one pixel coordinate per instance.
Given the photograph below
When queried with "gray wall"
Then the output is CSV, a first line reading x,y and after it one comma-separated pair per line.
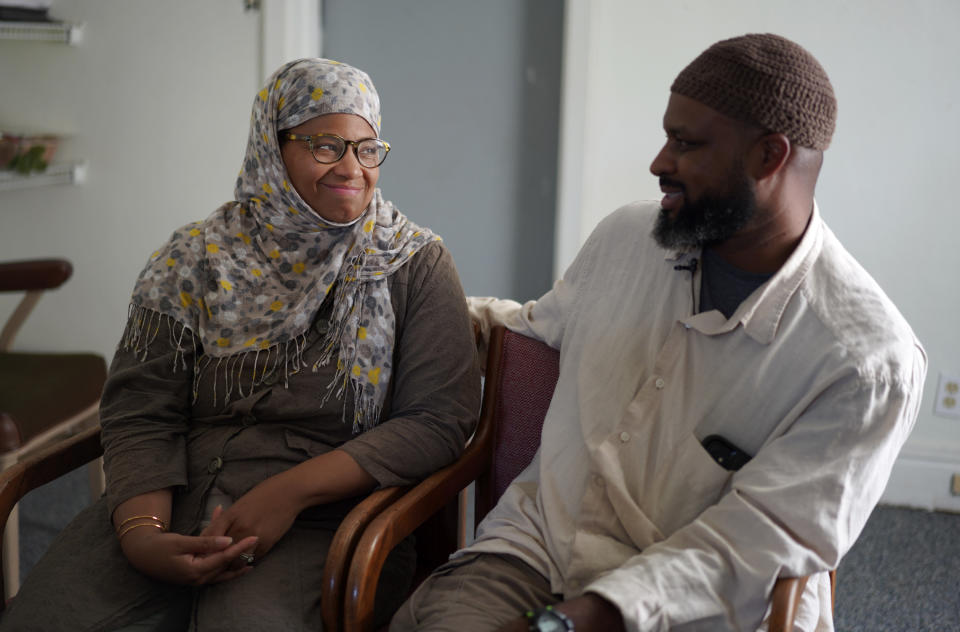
x,y
470,93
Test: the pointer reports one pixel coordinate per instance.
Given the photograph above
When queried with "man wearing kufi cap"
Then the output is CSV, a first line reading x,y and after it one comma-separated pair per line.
x,y
733,390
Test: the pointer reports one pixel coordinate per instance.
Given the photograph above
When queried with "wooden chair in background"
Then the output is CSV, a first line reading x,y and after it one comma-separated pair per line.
x,y
44,397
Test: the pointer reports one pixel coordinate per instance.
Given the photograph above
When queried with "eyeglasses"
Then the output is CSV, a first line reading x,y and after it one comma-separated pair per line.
x,y
328,148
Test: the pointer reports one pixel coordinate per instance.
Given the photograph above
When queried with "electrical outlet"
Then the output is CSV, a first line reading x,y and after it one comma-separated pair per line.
x,y
955,485
948,396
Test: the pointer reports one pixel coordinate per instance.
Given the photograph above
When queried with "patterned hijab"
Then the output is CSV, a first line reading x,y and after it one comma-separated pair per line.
x,y
249,280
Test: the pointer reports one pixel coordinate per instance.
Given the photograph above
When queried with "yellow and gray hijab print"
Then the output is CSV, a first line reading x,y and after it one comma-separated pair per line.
x,y
249,280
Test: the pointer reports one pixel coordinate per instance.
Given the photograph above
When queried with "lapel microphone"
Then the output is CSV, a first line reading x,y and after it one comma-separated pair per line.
x,y
692,266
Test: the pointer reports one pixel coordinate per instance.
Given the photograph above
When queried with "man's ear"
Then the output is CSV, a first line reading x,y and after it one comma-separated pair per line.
x,y
770,154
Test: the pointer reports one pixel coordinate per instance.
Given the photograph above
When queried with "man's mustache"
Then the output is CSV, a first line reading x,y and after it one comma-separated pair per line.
x,y
667,182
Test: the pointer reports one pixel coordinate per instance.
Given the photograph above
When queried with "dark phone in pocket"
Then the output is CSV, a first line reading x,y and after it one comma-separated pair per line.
x,y
727,455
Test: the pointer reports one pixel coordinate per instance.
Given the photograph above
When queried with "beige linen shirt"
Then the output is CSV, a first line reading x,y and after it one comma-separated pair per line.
x,y
816,375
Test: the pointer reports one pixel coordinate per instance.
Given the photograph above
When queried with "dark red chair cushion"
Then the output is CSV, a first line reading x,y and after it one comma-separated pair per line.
x,y
528,372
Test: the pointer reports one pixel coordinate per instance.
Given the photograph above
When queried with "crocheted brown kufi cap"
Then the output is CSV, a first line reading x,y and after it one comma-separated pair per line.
x,y
767,81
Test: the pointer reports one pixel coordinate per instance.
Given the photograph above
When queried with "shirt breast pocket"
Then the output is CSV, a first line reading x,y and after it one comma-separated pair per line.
x,y
689,481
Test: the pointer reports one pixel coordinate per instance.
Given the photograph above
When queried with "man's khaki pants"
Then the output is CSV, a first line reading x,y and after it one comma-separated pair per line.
x,y
474,593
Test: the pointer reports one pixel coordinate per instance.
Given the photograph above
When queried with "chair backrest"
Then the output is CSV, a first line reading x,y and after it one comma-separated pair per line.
x,y
31,277
523,375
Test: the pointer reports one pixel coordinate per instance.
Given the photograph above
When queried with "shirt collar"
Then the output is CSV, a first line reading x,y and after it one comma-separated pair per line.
x,y
761,312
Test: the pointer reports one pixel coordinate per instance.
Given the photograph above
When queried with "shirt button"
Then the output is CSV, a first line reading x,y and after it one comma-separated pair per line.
x,y
659,383
686,326
215,465
598,480
624,436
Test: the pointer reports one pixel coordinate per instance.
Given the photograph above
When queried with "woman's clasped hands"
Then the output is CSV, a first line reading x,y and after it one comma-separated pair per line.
x,y
186,559
265,513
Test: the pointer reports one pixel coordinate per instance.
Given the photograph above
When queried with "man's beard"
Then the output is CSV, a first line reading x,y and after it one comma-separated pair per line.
x,y
709,220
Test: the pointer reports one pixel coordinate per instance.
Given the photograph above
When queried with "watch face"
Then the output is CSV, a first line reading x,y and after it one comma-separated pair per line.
x,y
547,621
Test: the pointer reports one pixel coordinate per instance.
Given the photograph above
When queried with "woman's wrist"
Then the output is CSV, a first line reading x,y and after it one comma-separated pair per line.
x,y
323,479
154,507
138,520
147,521
136,544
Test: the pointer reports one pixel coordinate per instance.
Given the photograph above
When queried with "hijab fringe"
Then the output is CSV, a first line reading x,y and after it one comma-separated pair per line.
x,y
366,412
143,329
366,408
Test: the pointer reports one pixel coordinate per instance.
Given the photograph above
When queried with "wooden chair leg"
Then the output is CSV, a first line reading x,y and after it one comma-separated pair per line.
x,y
11,554
11,540
785,601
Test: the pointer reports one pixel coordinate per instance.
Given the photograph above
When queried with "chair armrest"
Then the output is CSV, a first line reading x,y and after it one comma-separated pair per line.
x,y
398,521
36,274
43,467
402,514
341,552
784,602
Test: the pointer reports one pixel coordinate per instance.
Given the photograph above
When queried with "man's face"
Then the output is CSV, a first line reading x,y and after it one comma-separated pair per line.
x,y
708,196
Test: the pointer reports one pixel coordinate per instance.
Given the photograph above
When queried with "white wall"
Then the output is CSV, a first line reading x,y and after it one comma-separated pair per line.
x,y
156,100
885,188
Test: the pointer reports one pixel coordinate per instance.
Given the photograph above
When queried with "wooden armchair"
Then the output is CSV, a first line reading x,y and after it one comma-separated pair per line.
x,y
520,377
44,397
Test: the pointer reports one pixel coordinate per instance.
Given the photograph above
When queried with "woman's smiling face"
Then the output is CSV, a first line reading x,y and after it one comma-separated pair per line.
x,y
340,191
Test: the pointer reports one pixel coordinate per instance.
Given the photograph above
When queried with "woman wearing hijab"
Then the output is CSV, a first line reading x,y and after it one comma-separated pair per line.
x,y
303,345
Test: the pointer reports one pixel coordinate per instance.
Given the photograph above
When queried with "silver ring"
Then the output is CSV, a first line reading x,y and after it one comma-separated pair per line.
x,y
247,558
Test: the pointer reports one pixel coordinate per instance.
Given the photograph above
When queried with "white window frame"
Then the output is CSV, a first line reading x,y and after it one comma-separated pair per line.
x,y
290,29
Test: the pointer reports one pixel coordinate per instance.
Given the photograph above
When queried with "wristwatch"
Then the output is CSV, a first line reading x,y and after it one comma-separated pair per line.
x,y
548,620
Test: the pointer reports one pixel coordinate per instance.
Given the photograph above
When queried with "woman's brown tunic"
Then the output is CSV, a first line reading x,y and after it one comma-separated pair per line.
x,y
155,436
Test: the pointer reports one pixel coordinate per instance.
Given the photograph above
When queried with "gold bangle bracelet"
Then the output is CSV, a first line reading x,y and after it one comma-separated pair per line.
x,y
132,518
140,524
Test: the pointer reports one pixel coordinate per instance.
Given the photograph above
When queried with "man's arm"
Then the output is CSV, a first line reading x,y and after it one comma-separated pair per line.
x,y
544,319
